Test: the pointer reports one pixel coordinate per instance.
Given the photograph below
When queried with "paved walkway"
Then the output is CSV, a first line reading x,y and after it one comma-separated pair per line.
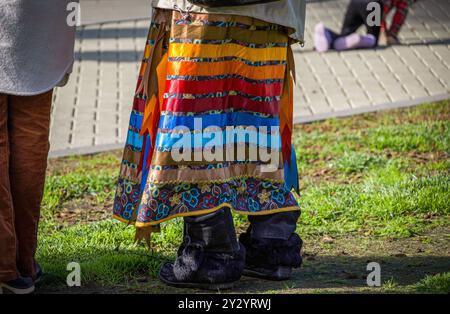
x,y
91,113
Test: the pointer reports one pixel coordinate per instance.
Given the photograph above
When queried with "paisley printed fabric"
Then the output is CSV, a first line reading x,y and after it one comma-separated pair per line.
x,y
231,72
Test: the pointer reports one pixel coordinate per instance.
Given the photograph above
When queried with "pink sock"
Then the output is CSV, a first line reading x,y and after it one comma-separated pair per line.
x,y
354,41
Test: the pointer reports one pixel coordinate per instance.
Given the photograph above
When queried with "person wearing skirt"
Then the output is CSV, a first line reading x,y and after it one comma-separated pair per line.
x,y
210,132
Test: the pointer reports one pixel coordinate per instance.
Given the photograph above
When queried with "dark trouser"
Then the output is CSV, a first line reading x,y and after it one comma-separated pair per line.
x,y
356,16
216,230
275,226
24,131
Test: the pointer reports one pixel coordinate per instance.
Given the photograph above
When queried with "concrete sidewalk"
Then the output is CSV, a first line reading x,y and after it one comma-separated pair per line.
x,y
91,113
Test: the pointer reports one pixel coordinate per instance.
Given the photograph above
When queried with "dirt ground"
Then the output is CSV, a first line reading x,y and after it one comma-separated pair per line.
x,y
331,265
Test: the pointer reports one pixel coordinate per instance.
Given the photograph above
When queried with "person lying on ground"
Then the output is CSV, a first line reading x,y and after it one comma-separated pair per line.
x,y
357,14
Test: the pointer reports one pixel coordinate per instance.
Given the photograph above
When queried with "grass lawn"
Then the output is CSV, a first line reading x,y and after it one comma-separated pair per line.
x,y
375,188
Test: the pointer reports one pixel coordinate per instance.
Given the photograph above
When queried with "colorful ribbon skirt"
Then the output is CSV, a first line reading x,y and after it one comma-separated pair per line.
x,y
211,121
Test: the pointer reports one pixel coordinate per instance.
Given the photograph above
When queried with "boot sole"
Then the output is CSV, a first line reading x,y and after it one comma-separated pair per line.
x,y
280,274
195,285
13,290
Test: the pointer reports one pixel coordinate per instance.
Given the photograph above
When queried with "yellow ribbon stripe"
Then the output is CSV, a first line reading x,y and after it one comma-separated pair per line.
x,y
226,50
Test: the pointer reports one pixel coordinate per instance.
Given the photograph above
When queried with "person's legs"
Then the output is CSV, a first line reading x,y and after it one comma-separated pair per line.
x,y
401,12
29,124
386,9
272,246
374,30
355,41
352,18
8,268
210,256
323,38
356,16
274,226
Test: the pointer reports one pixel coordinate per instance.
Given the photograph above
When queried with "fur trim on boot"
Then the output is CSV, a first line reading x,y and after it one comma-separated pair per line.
x,y
197,268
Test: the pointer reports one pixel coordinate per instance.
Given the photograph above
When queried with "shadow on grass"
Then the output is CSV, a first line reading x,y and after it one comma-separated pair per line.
x,y
319,274
102,270
348,273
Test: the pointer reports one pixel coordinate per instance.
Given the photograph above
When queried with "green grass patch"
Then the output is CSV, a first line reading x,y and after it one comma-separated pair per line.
x,y
420,137
377,174
387,203
105,251
439,283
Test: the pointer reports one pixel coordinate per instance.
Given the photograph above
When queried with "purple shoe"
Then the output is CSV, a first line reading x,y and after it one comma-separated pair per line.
x,y
355,41
322,38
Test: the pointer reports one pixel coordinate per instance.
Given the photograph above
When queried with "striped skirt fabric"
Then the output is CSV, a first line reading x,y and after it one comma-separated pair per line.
x,y
216,90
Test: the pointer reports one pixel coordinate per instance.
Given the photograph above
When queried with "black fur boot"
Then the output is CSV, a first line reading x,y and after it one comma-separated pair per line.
x,y
271,258
210,256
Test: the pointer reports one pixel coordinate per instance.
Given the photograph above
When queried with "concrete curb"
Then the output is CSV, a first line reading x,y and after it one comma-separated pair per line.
x,y
87,150
384,106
